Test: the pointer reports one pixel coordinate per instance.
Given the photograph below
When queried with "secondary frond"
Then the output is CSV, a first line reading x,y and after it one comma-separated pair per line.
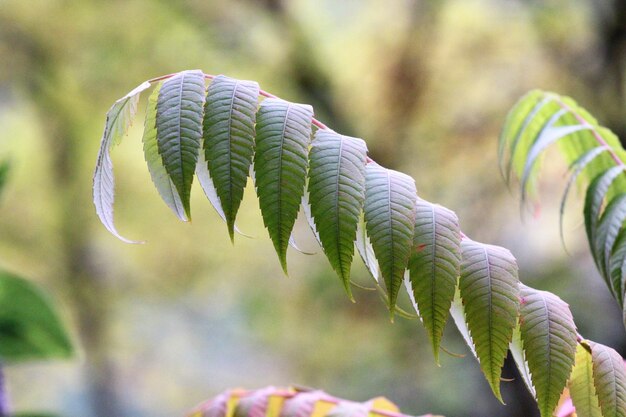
x,y
596,159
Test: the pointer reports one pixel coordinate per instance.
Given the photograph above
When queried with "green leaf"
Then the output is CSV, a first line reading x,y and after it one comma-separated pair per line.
x,y
434,266
579,166
581,385
548,135
609,376
549,337
118,120
617,267
5,166
596,194
337,191
179,129
229,117
30,329
390,199
606,235
160,178
280,165
489,290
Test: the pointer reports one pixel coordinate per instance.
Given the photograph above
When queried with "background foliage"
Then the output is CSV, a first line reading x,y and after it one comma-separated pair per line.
x,y
186,315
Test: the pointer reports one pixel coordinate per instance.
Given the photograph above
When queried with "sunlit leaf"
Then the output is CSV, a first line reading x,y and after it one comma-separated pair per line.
x,y
118,120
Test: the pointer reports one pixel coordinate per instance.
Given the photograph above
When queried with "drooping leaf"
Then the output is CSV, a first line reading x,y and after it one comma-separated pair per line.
x,y
549,338
609,376
337,191
516,347
434,266
581,385
515,126
596,194
229,117
179,129
160,178
30,328
390,199
489,289
365,249
118,120
548,135
541,119
457,311
617,267
611,223
306,207
280,164
578,166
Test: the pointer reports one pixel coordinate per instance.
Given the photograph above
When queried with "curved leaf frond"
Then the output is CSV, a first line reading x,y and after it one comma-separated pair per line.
x,y
549,335
229,117
390,199
434,266
179,129
489,289
280,166
351,201
336,194
118,120
595,155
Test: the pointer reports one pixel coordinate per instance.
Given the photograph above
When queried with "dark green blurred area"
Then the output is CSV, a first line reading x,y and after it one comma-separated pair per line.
x,y
426,83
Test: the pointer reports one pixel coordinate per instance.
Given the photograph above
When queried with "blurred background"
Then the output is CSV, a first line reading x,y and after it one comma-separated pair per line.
x,y
167,324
